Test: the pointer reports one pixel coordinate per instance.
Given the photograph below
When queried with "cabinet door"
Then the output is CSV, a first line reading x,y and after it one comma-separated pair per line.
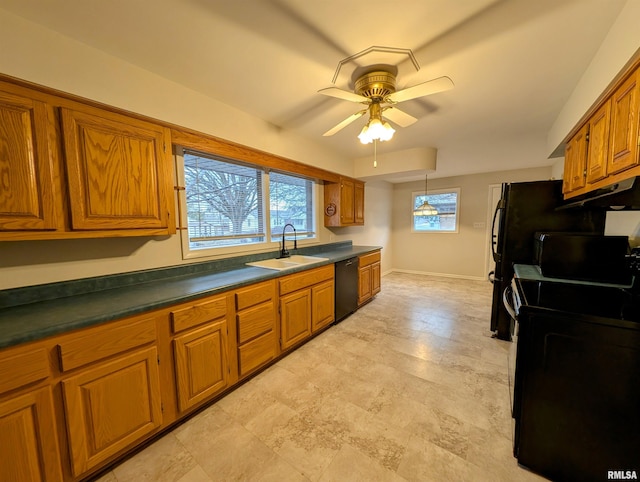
x,y
623,146
364,284
110,406
323,305
568,168
27,188
358,202
295,317
597,162
347,212
201,364
375,279
578,162
119,171
28,438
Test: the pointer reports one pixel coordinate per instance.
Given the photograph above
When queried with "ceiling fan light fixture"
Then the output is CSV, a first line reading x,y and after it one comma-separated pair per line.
x,y
363,136
376,129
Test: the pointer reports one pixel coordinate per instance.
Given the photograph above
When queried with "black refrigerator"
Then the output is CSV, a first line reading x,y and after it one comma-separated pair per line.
x,y
524,209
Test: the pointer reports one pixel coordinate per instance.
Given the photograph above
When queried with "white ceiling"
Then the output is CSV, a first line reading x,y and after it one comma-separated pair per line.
x,y
514,62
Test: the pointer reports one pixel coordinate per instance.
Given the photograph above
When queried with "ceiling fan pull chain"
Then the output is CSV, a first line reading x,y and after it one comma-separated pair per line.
x,y
375,153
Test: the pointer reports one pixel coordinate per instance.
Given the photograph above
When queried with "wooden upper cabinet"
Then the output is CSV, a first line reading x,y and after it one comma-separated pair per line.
x,y
625,107
27,189
118,171
347,199
576,160
598,150
344,203
613,142
358,202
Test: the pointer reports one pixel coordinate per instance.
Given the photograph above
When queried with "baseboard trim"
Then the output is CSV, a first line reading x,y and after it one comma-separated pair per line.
x,y
441,275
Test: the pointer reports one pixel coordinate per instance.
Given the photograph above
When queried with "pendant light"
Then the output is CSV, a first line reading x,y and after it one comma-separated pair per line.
x,y
425,209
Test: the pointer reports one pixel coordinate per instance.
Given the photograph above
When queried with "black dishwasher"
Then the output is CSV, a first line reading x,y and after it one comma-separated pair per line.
x,y
346,286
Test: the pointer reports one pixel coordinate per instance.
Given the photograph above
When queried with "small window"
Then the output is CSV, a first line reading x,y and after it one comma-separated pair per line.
x,y
224,203
446,203
290,202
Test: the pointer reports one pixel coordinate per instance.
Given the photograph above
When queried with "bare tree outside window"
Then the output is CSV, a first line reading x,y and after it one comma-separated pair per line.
x,y
225,203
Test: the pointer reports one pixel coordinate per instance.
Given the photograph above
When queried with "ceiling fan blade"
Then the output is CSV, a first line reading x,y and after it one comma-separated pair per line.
x,y
426,88
343,94
399,117
345,123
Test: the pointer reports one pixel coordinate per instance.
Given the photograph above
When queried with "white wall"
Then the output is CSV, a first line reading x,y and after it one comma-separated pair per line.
x,y
621,44
461,254
378,203
45,57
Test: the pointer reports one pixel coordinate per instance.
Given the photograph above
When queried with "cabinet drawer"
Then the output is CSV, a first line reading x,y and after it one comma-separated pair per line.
x,y
102,342
368,259
256,353
255,321
305,279
20,369
199,313
254,294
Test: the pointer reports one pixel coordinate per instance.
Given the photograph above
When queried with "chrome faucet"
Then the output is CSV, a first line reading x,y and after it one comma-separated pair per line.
x,y
284,253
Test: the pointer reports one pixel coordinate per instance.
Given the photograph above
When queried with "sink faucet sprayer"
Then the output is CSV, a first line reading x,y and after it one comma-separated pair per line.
x,y
284,253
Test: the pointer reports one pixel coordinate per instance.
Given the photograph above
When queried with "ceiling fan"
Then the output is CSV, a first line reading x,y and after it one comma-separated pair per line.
x,y
377,90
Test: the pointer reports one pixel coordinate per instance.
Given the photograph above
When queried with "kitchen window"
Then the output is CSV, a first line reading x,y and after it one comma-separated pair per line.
x,y
231,207
290,201
446,203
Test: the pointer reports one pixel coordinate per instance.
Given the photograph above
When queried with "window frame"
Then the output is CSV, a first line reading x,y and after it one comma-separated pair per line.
x,y
269,243
431,192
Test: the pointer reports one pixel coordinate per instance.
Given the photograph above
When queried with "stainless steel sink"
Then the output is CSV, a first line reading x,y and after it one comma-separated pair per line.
x,y
293,261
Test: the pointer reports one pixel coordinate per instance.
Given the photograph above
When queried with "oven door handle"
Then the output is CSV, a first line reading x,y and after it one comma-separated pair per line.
x,y
506,294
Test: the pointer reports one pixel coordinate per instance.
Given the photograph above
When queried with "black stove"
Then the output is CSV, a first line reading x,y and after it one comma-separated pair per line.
x,y
575,376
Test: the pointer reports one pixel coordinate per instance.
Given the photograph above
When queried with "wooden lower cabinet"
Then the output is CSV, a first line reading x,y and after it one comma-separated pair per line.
x,y
368,277
322,305
375,278
28,438
201,349
110,406
256,326
201,364
75,402
306,304
28,430
295,318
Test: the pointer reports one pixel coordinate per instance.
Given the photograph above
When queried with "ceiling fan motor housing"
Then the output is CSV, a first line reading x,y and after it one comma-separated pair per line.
x,y
376,85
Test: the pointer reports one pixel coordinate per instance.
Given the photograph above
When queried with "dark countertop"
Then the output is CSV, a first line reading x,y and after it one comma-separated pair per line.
x,y
532,272
39,319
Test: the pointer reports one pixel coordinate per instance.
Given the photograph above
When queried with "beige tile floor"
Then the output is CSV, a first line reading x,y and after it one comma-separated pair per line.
x,y
410,387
